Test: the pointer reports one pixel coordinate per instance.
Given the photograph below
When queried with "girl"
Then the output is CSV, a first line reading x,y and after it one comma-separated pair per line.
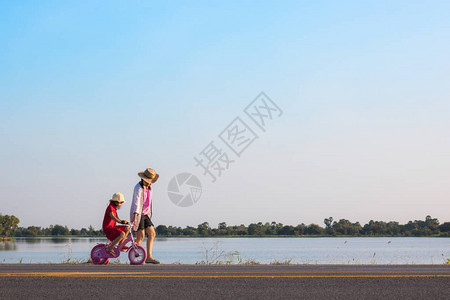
x,y
115,233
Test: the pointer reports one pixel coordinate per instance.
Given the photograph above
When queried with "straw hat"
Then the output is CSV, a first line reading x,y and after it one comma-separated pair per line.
x,y
149,175
118,197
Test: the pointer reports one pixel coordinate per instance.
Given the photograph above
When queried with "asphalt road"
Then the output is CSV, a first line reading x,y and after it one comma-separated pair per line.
x,y
56,281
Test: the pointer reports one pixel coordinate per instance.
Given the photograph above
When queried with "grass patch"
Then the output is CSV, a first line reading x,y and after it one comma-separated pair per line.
x,y
286,261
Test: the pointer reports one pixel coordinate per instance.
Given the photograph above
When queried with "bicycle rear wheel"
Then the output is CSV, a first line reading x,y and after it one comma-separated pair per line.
x,y
137,255
97,257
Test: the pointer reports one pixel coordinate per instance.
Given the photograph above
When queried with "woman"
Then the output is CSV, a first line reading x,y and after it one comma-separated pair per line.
x,y
141,211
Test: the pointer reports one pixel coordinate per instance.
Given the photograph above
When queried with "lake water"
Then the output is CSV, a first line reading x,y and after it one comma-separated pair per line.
x,y
362,250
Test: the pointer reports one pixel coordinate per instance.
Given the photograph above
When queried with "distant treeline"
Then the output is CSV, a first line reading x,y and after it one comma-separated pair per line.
x,y
343,227
57,230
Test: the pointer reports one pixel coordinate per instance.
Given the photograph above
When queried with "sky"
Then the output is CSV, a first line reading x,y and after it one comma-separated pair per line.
x,y
92,92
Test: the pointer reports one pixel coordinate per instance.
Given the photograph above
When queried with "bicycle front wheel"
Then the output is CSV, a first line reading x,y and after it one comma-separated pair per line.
x,y
137,255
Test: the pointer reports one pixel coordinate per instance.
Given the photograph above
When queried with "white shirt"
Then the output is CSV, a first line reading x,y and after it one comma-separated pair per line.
x,y
137,204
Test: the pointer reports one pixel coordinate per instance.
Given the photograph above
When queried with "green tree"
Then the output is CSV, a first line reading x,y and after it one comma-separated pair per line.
x,y
222,229
60,230
375,228
174,230
277,228
393,228
445,227
190,231
91,231
345,227
222,225
328,225
287,230
432,224
8,224
239,230
162,230
204,229
74,232
256,229
47,231
252,229
300,229
242,230
313,229
33,231
427,227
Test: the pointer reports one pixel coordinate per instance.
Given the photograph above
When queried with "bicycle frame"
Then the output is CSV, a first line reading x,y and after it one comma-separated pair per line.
x,y
123,244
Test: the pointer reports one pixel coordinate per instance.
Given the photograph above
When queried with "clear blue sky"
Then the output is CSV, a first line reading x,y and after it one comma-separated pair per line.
x,y
91,92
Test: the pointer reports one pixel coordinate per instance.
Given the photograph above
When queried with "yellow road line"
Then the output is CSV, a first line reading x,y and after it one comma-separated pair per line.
x,y
147,275
269,272
238,272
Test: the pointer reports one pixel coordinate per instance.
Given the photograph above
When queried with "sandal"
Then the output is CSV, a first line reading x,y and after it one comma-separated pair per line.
x,y
152,261
111,252
125,248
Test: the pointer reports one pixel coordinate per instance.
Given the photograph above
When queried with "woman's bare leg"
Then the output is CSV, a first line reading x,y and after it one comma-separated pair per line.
x,y
151,236
140,234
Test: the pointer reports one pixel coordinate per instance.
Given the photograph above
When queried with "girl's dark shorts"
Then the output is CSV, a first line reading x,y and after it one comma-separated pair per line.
x,y
145,222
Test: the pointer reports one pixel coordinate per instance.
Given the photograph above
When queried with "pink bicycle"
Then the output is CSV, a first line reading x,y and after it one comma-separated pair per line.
x,y
136,254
